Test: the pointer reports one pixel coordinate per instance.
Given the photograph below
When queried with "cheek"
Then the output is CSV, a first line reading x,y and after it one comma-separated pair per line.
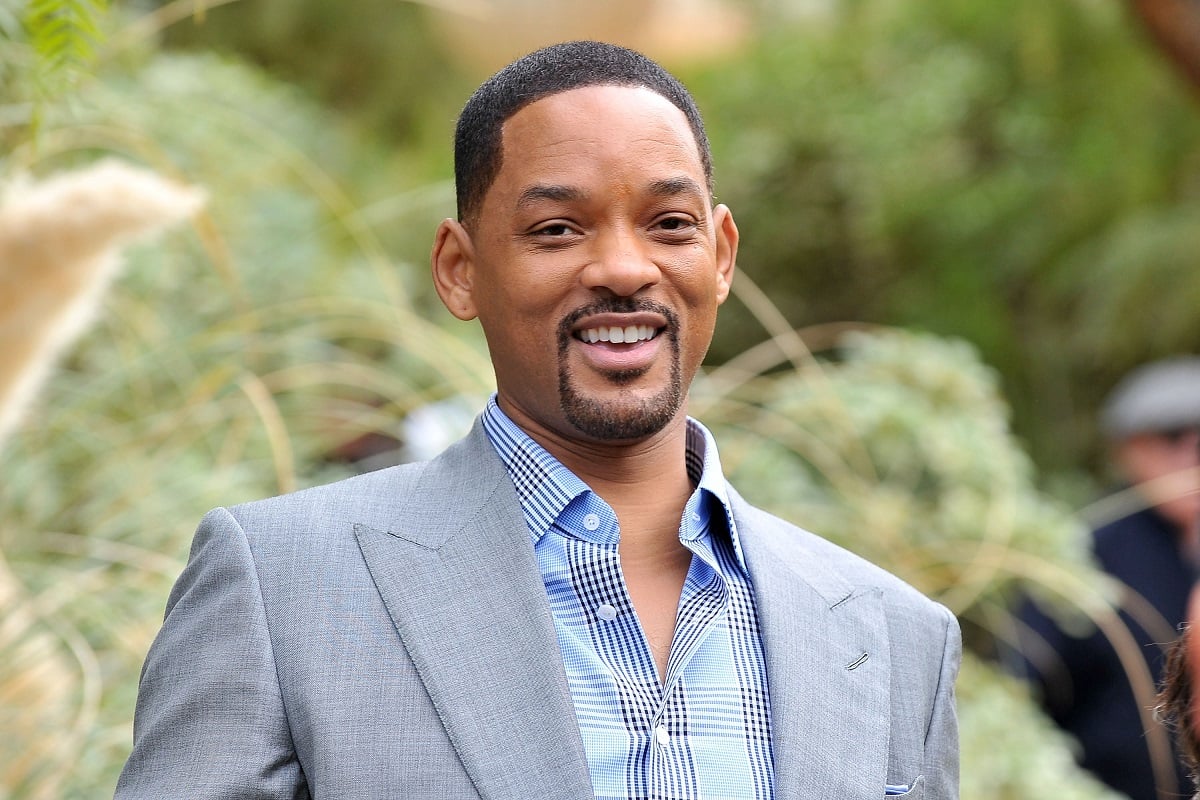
x,y
520,299
694,273
521,335
697,338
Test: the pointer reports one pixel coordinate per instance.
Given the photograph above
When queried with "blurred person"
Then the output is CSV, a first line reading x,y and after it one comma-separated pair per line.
x,y
570,602
1152,423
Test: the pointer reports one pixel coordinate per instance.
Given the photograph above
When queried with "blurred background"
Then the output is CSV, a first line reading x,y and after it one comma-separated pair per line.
x,y
962,222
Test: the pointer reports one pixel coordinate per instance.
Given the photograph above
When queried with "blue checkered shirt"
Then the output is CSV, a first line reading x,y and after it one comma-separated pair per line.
x,y
705,732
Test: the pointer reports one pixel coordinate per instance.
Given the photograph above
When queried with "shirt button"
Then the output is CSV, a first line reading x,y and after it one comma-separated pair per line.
x,y
606,612
661,736
696,516
591,522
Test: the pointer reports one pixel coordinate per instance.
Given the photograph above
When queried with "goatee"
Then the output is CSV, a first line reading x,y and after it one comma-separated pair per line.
x,y
625,418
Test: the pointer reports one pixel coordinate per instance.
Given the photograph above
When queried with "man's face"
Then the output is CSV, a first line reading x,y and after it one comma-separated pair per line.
x,y
1167,465
596,265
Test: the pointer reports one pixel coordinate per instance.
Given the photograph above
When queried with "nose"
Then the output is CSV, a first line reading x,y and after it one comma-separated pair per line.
x,y
621,264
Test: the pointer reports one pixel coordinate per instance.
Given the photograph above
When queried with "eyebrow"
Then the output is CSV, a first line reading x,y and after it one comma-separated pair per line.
x,y
672,187
667,187
539,192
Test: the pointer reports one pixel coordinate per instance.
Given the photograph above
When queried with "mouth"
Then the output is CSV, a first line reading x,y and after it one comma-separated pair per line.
x,y
617,334
618,338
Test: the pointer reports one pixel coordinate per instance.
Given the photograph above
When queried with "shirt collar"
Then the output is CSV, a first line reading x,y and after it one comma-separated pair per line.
x,y
545,486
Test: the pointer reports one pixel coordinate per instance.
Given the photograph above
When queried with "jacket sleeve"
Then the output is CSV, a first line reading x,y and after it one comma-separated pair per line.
x,y
941,739
210,720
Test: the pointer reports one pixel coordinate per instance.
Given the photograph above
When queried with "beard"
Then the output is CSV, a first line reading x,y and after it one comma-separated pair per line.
x,y
624,418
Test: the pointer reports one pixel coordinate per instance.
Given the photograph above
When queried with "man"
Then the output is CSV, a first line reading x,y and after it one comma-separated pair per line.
x,y
1152,422
570,602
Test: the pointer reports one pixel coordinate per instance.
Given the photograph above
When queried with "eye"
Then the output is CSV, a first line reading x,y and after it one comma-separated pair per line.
x,y
675,225
553,230
549,234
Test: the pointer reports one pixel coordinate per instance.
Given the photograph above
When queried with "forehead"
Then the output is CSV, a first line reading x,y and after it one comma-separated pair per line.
x,y
598,128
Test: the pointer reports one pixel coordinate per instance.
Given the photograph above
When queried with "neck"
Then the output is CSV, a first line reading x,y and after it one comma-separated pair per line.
x,y
647,485
645,482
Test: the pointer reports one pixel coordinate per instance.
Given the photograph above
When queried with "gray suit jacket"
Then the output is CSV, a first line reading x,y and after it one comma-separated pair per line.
x,y
389,636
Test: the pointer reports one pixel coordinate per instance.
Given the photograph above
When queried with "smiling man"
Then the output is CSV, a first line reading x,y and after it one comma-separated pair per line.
x,y
571,602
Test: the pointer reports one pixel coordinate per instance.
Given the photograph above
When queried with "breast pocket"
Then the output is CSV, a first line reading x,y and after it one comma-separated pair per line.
x,y
912,791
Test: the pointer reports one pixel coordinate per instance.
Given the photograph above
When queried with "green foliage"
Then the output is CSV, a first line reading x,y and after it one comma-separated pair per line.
x,y
378,64
47,48
64,32
1010,750
1017,175
10,20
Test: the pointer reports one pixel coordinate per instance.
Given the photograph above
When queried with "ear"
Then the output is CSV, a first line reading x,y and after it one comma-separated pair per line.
x,y
453,263
727,245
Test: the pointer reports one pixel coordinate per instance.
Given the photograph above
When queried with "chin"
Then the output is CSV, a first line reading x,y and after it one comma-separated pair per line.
x,y
631,407
627,417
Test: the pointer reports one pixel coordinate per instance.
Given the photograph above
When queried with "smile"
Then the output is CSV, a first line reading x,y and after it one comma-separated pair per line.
x,y
617,334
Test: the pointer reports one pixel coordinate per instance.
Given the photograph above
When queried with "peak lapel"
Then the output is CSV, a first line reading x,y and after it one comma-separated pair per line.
x,y
463,588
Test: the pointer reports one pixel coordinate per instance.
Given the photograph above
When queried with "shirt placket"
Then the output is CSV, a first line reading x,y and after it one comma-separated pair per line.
x,y
654,713
618,639
702,603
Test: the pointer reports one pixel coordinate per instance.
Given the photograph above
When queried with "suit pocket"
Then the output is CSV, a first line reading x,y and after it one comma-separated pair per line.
x,y
911,791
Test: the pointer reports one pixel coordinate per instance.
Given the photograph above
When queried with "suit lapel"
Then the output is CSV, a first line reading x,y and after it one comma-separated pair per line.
x,y
828,668
462,586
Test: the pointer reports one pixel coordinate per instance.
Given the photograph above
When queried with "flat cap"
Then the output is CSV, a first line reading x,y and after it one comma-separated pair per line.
x,y
1155,398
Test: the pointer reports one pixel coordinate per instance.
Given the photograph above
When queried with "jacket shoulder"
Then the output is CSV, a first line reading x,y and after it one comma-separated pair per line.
x,y
467,474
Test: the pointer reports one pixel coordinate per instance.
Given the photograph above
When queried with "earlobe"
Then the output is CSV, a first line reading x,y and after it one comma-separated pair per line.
x,y
452,262
727,245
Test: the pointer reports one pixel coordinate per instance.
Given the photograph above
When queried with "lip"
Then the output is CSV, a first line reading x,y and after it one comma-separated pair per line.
x,y
622,357
620,320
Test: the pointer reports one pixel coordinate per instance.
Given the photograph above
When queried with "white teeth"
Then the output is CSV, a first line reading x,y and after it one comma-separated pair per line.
x,y
631,333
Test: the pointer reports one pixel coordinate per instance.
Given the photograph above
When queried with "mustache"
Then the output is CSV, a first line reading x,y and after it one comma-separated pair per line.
x,y
616,305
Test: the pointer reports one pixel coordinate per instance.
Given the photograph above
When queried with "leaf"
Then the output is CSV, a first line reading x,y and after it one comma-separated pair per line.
x,y
64,35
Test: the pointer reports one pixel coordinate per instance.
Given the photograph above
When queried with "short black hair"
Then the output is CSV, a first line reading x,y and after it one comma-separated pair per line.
x,y
551,70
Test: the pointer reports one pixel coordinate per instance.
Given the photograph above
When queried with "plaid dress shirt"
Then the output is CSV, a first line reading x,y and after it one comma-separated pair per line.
x,y
702,734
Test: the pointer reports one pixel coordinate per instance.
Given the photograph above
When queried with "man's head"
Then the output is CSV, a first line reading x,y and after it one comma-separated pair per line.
x,y
1152,421
591,253
551,70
